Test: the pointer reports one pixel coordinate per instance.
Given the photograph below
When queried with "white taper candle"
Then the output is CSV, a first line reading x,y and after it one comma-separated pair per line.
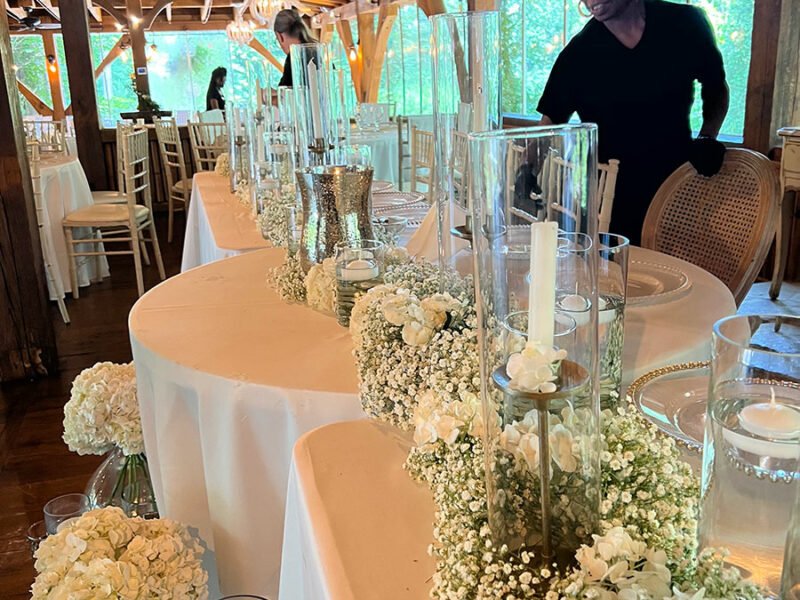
x,y
542,293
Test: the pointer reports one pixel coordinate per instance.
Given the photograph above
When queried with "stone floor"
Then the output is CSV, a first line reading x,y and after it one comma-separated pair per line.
x,y
758,302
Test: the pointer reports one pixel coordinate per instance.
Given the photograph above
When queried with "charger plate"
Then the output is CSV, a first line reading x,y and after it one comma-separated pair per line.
x,y
674,399
654,283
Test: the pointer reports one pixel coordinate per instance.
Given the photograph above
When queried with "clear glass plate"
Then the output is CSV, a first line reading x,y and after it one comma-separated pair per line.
x,y
394,198
379,186
674,400
653,283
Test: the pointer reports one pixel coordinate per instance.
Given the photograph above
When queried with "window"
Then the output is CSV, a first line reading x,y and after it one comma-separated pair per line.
x,y
113,86
29,60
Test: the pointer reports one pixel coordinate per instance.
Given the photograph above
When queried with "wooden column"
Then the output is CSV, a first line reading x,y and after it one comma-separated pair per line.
x,y
75,28
761,79
27,341
53,77
138,44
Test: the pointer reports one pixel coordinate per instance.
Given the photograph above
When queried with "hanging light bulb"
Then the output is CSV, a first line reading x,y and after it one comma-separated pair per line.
x,y
264,11
51,60
353,54
240,31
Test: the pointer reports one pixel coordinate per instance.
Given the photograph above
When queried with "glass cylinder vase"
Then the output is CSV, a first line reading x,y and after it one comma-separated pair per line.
x,y
790,576
114,475
536,298
751,453
315,106
239,145
466,99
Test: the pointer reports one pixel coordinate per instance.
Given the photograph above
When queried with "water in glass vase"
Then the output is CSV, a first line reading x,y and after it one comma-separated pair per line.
x,y
749,476
354,278
610,332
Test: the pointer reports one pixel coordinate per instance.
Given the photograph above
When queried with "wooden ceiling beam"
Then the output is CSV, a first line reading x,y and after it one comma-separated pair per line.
x,y
113,11
152,15
49,8
94,12
205,11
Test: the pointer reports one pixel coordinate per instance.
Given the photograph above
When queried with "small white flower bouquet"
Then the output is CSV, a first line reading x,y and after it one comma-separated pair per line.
x,y
106,555
103,412
223,165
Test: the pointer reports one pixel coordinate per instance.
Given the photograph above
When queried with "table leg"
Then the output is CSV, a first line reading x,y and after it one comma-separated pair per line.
x,y
782,235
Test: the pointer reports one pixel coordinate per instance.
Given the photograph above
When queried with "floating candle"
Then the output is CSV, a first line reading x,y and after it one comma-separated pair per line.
x,y
359,270
773,420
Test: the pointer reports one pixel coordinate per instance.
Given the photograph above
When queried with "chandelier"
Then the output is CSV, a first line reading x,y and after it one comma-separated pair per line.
x,y
240,31
264,11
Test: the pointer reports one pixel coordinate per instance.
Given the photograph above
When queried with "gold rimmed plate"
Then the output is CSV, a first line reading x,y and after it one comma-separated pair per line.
x,y
674,399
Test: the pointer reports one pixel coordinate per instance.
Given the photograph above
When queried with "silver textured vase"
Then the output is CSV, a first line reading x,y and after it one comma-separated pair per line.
x,y
336,207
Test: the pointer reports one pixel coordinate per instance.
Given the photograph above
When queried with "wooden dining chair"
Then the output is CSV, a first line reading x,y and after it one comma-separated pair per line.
x,y
51,136
723,224
118,195
208,141
459,167
48,253
606,188
179,186
120,223
421,159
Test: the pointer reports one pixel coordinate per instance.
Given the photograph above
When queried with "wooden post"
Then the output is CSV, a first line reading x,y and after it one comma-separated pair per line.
x,y
53,77
761,80
138,44
27,340
75,28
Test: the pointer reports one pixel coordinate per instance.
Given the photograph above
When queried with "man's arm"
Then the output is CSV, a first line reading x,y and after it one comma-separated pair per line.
x,y
716,99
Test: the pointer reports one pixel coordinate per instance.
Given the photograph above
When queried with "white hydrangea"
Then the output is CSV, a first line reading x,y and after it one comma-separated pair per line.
x,y
106,555
535,368
223,165
321,287
437,419
103,411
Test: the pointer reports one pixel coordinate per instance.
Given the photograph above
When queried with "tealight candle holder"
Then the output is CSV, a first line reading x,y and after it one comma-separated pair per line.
x,y
359,268
751,455
537,304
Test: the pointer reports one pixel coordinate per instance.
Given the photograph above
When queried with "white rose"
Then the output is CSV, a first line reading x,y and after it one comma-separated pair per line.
x,y
416,334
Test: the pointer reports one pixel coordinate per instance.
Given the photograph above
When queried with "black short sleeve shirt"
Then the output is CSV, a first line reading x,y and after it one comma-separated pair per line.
x,y
639,97
215,94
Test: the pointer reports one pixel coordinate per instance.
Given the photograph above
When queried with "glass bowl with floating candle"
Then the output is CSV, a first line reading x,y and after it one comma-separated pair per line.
x,y
751,454
537,304
359,268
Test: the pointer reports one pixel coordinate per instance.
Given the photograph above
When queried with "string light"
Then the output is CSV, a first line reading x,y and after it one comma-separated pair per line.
x,y
118,26
353,54
135,20
51,63
240,31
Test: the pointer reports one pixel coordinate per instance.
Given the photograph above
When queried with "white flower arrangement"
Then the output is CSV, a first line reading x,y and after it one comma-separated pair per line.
x,y
106,555
103,411
409,338
535,369
320,286
223,165
289,280
646,548
242,194
272,221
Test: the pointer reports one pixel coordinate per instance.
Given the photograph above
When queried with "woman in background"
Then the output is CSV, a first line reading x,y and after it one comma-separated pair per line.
x,y
214,97
290,29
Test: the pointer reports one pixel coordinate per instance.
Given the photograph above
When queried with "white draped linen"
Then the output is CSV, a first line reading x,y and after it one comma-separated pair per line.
x,y
348,507
229,376
64,190
217,225
384,148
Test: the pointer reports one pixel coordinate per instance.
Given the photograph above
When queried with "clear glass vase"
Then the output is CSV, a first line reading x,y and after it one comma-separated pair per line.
x,y
114,475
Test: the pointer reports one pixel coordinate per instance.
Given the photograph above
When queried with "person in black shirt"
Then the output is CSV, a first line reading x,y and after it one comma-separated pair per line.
x,y
632,70
290,29
214,97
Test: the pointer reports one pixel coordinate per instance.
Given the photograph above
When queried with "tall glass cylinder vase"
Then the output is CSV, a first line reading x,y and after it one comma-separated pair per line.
x,y
239,145
314,103
537,304
466,99
790,577
751,454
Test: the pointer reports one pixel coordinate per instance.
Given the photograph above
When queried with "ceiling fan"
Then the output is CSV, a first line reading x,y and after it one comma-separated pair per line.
x,y
30,22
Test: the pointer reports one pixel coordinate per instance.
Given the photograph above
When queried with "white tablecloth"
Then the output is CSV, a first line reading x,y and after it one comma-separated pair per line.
x,y
64,190
218,225
347,503
229,377
383,145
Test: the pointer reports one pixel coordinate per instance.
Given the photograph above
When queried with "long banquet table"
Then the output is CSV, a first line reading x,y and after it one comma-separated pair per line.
x,y
217,224
229,377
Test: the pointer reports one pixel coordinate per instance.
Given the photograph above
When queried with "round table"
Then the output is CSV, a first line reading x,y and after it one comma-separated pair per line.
x,y
64,190
383,145
229,376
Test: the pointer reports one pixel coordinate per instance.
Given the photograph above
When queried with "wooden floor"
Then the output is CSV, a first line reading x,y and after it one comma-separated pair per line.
x,y
35,464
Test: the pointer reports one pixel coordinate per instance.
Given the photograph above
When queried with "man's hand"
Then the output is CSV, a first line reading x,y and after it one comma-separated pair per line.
x,y
706,155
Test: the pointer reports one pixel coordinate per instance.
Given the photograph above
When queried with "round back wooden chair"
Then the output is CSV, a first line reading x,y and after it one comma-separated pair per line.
x,y
723,224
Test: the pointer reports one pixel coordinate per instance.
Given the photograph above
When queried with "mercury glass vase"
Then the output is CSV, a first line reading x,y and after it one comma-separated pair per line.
x,y
114,475
466,99
537,304
336,208
751,453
